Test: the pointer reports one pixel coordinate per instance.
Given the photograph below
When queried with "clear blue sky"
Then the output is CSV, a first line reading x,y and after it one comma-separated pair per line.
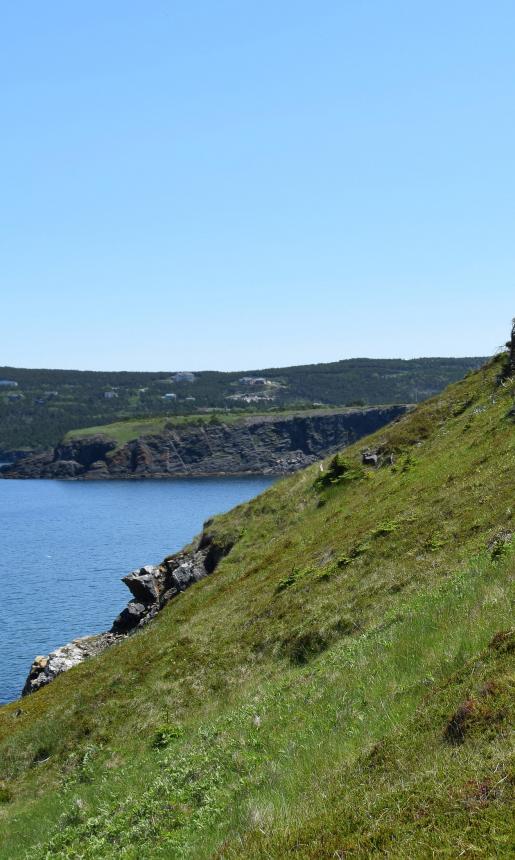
x,y
243,183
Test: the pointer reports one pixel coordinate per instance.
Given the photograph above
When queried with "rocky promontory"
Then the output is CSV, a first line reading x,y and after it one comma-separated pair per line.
x,y
256,445
152,587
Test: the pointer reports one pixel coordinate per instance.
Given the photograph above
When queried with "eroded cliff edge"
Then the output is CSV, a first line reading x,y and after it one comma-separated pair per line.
x,y
152,587
257,445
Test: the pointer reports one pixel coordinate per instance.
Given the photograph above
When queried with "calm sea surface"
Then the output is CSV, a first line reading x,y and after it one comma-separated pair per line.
x,y
65,545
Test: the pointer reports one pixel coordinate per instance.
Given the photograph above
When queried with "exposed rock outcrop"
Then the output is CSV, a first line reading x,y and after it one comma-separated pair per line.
x,y
45,669
268,445
11,455
152,587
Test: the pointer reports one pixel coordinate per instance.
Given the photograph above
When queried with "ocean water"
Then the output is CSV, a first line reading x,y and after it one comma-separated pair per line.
x,y
65,545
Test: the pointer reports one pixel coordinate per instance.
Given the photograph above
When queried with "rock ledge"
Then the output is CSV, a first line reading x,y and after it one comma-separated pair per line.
x,y
257,445
152,587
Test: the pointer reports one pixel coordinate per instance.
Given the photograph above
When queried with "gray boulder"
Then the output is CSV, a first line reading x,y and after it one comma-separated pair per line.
x,y
45,669
129,618
145,584
190,569
368,458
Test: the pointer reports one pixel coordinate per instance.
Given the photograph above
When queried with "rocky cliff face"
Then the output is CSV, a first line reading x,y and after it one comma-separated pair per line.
x,y
258,445
10,455
152,587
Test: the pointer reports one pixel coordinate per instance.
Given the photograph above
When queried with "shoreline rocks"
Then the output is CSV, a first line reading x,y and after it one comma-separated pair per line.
x,y
45,669
152,587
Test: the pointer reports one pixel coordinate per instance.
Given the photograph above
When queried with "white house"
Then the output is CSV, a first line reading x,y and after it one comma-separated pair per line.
x,y
184,376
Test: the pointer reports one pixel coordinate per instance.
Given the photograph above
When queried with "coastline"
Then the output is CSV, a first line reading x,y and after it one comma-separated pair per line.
x,y
268,445
152,588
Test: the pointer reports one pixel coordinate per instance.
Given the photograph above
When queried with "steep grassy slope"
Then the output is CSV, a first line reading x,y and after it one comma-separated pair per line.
x,y
342,686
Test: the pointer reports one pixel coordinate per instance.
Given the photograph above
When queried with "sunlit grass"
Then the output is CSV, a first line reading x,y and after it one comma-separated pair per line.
x,y
294,703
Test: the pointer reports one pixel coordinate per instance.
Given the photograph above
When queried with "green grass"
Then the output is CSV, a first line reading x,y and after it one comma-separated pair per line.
x,y
303,701
126,431
130,429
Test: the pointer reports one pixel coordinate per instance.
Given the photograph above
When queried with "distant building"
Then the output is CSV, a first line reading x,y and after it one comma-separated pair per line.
x,y
8,383
249,398
183,376
254,380
108,395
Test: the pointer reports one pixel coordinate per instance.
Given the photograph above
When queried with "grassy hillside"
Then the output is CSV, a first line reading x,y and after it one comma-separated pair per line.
x,y
46,404
342,686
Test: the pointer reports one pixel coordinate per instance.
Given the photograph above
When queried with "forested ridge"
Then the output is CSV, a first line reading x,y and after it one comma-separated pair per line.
x,y
46,404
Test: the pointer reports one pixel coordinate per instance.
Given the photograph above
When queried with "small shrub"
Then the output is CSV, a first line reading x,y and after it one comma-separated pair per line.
x,y
459,724
165,735
75,815
504,641
295,575
287,581
86,769
500,550
302,647
385,528
360,549
434,543
325,574
338,471
5,794
346,625
408,464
